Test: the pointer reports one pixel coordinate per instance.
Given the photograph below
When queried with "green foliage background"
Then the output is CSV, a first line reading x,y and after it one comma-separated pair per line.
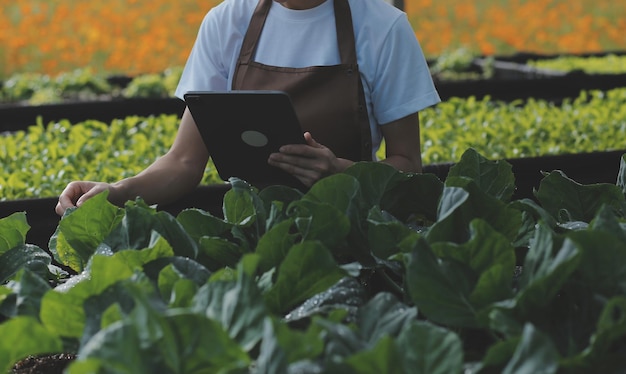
x,y
39,162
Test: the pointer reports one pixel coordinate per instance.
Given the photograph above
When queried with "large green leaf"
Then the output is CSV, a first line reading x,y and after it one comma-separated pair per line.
x,y
499,354
238,305
535,353
375,179
384,232
198,223
429,349
28,288
495,178
383,315
217,252
193,344
606,350
490,255
463,201
282,346
341,191
242,205
603,250
22,337
568,200
136,228
116,303
274,245
180,268
321,221
610,332
83,229
607,222
23,256
309,268
440,288
547,266
531,214
367,345
347,295
416,196
383,357
245,210
62,309
13,230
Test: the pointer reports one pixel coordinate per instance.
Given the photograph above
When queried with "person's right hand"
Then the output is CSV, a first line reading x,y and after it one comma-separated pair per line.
x,y
77,193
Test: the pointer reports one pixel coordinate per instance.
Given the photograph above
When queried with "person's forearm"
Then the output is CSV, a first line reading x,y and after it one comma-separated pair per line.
x,y
165,181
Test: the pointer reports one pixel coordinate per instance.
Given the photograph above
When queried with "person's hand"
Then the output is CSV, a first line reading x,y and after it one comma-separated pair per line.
x,y
77,193
307,162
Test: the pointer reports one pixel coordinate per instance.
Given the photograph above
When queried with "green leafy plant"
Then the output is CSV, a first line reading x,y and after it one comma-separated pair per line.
x,y
371,270
459,64
85,85
608,64
147,85
82,84
171,77
593,121
36,89
22,86
40,161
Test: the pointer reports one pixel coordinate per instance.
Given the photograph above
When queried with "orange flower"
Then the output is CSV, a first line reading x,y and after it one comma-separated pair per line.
x,y
139,36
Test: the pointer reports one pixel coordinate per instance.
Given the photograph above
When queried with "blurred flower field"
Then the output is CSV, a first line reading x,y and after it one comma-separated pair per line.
x,y
508,26
139,36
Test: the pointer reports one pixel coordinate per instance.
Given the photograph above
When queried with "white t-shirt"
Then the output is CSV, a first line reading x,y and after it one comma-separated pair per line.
x,y
396,79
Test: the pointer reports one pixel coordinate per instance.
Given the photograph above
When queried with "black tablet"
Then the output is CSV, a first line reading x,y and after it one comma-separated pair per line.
x,y
242,128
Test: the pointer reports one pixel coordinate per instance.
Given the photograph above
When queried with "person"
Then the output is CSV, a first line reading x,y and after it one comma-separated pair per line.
x,y
354,70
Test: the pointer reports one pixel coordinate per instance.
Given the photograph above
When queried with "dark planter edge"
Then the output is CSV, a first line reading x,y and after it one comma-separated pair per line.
x,y
20,117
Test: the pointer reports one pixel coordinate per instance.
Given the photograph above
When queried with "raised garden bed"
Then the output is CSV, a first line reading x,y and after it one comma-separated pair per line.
x,y
554,88
43,219
584,168
495,283
511,78
19,117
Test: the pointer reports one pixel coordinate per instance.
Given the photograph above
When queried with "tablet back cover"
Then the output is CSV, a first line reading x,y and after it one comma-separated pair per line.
x,y
242,128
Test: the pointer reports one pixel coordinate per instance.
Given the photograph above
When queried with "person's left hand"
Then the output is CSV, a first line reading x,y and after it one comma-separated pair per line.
x,y
307,162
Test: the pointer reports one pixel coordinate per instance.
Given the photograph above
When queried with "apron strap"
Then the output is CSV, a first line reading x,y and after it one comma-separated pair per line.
x,y
345,32
254,30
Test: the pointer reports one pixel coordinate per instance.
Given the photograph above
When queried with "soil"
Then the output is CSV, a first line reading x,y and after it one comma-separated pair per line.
x,y
44,364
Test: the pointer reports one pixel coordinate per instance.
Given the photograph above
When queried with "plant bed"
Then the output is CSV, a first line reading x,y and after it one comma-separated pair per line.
x,y
43,219
505,78
19,117
523,57
369,269
81,95
553,89
584,168
40,161
511,78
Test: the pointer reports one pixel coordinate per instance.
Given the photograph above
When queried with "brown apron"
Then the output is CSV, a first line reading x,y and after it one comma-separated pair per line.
x,y
328,100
